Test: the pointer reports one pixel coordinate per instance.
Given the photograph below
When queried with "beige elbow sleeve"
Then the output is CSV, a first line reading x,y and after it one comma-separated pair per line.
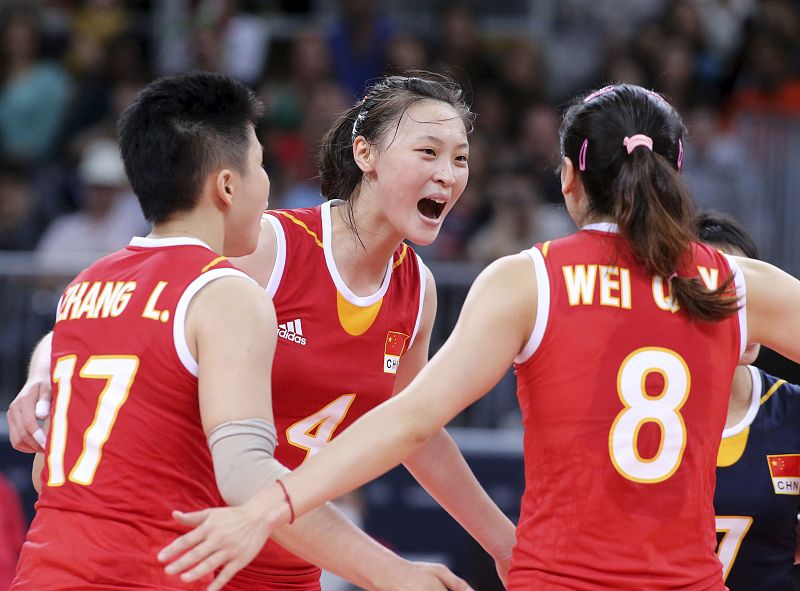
x,y
242,452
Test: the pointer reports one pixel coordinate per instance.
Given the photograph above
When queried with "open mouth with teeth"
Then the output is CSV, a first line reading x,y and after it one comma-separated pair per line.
x,y
431,208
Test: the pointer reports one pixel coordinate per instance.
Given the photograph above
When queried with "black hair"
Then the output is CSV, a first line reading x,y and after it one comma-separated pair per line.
x,y
723,231
178,130
383,106
642,191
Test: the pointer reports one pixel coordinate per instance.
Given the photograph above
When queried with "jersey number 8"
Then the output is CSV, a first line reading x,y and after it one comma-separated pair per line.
x,y
641,408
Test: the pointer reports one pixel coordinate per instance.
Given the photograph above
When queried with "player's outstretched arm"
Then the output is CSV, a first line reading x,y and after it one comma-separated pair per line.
x,y
231,531
494,324
234,351
773,307
441,469
32,402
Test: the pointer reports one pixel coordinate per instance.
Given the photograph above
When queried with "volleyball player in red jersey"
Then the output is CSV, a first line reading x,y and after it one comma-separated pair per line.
x,y
625,337
160,383
355,304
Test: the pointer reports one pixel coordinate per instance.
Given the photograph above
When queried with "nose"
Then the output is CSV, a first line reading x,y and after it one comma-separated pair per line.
x,y
444,175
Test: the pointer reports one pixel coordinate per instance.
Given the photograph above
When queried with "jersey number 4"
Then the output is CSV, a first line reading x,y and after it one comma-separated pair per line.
x,y
118,371
314,432
641,408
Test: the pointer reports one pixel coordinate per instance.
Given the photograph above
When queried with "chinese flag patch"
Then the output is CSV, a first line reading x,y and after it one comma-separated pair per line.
x,y
395,346
785,473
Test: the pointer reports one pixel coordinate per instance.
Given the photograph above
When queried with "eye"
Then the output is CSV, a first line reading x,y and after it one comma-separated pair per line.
x,y
427,151
463,159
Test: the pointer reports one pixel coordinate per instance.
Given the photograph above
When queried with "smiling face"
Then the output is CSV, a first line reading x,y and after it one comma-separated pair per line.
x,y
413,178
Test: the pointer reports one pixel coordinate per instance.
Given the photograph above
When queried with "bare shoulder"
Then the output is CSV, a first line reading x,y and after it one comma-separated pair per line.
x,y
507,289
261,261
231,304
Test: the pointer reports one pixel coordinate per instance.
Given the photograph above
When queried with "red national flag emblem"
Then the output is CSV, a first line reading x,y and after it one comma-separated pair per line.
x,y
395,343
787,465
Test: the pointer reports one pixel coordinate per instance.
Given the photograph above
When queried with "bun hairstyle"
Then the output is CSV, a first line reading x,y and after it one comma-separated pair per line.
x,y
383,106
627,145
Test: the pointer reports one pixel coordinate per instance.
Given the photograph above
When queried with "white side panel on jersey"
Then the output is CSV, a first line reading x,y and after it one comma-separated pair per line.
x,y
741,293
542,306
280,255
752,411
179,324
423,277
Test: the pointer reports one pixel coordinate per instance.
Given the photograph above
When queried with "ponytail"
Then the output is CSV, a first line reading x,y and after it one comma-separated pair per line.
x,y
636,181
339,174
651,208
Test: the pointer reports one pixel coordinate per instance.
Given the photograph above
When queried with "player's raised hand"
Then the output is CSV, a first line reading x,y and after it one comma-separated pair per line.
x,y
226,538
32,403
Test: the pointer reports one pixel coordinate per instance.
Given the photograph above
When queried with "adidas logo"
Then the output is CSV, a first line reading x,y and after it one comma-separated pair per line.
x,y
292,331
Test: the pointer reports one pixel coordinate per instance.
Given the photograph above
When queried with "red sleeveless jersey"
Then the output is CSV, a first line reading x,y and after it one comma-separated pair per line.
x,y
336,357
624,399
126,445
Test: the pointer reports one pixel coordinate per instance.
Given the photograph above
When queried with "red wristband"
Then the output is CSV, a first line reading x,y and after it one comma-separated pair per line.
x,y
288,501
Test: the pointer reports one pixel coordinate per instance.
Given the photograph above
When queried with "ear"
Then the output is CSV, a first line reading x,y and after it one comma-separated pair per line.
x,y
571,183
363,154
224,189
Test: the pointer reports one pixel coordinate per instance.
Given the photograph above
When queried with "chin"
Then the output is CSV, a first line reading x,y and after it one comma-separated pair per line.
x,y
423,238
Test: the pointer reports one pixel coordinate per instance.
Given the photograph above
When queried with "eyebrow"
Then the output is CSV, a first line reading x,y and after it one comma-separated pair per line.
x,y
433,138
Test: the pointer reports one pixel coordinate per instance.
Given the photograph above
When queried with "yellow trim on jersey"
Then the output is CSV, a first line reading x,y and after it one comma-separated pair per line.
x,y
402,256
302,225
213,263
356,320
768,394
545,248
732,448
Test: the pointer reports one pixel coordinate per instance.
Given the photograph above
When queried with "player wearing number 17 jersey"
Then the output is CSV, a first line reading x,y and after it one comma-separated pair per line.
x,y
126,441
132,394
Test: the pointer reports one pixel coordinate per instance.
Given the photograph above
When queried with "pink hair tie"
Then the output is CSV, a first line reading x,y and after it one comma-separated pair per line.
x,y
582,155
671,277
633,142
680,154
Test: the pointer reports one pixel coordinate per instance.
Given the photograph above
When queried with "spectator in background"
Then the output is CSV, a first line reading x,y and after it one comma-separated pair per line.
x,y
110,215
33,92
20,226
538,150
358,42
770,82
721,175
519,220
406,52
523,77
217,35
12,531
461,50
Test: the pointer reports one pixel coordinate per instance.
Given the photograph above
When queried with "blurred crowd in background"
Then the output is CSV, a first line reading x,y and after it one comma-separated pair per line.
x,y
67,69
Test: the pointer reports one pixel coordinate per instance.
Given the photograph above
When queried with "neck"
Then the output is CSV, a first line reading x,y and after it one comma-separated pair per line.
x,y
193,224
362,259
741,395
